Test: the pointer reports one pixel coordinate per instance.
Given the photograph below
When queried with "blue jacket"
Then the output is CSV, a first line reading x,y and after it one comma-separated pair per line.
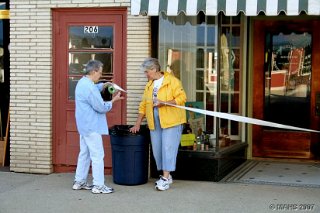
x,y
90,108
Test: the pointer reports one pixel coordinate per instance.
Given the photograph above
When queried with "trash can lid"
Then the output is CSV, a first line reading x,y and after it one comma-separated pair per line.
x,y
124,130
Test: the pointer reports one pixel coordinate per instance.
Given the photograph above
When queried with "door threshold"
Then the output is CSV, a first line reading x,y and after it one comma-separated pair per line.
x,y
286,160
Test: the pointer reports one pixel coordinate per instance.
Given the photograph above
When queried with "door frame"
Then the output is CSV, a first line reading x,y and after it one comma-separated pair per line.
x,y
260,27
57,47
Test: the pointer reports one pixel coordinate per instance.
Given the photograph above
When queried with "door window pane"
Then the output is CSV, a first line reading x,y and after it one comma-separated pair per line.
x,y
288,79
78,60
83,37
72,83
89,43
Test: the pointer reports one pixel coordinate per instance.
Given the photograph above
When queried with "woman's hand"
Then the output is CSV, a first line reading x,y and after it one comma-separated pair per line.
x,y
117,97
135,128
158,103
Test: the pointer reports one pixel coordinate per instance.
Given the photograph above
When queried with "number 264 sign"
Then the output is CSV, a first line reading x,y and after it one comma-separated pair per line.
x,y
91,29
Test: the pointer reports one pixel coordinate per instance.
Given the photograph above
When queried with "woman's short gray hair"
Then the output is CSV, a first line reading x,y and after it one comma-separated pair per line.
x,y
93,65
150,63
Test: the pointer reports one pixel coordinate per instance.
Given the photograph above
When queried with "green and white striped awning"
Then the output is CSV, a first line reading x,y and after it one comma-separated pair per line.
x,y
228,7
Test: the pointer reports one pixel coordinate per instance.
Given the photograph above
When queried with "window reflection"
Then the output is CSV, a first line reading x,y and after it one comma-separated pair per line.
x,y
78,61
89,43
195,39
290,65
72,83
230,67
288,79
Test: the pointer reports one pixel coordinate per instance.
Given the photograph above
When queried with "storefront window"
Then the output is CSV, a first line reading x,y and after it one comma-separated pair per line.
x,y
197,50
230,41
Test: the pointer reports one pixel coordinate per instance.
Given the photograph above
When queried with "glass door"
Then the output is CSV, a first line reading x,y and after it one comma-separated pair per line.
x,y
288,78
285,87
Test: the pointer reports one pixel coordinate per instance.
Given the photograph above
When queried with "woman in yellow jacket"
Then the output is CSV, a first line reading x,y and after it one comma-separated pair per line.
x,y
165,122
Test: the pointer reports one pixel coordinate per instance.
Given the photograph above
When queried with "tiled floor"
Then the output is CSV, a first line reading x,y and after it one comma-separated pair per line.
x,y
291,174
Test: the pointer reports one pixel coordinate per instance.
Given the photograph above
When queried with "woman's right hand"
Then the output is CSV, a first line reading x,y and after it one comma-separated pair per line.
x,y
117,97
135,128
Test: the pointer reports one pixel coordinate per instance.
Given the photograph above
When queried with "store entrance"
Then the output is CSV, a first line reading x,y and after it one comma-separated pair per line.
x,y
80,35
286,79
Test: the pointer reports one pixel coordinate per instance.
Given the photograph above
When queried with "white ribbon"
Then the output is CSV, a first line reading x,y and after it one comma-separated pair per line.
x,y
232,117
242,119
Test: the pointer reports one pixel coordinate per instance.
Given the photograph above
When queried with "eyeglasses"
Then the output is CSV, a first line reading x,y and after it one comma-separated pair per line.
x,y
149,70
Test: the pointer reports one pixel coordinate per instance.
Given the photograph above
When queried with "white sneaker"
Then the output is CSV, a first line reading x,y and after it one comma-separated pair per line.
x,y
81,185
170,180
162,184
102,189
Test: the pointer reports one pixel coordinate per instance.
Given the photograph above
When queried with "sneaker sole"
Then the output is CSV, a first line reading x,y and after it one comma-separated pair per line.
x,y
161,189
102,192
170,181
97,191
81,188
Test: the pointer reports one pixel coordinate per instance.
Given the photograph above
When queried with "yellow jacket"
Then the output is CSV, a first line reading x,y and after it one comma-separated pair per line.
x,y
170,89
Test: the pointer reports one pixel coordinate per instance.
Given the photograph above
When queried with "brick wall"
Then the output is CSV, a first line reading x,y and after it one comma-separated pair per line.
x,y
31,76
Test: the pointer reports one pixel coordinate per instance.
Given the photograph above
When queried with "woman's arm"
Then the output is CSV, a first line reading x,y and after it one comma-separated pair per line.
x,y
136,127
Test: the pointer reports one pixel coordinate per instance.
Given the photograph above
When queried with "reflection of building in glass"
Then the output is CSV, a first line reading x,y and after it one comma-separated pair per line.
x,y
227,59
290,72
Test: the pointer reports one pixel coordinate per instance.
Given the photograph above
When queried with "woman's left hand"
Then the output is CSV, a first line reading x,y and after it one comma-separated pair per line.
x,y
158,103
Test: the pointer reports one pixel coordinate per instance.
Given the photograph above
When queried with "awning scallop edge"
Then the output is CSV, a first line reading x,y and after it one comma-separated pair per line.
x,y
228,7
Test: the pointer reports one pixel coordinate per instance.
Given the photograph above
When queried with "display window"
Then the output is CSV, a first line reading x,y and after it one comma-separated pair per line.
x,y
205,53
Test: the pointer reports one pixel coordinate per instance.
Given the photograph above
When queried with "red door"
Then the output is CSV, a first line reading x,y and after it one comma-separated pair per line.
x,y
80,35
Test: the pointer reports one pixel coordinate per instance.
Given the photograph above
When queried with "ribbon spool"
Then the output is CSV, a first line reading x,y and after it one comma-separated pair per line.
x,y
111,89
108,91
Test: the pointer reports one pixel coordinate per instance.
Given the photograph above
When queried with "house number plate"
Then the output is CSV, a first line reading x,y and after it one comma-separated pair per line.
x,y
91,29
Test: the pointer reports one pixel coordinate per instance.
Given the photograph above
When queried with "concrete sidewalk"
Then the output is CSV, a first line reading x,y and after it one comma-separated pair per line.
x,y
28,193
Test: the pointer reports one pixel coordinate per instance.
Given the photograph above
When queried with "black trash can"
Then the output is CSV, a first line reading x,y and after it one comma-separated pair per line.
x,y
130,155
